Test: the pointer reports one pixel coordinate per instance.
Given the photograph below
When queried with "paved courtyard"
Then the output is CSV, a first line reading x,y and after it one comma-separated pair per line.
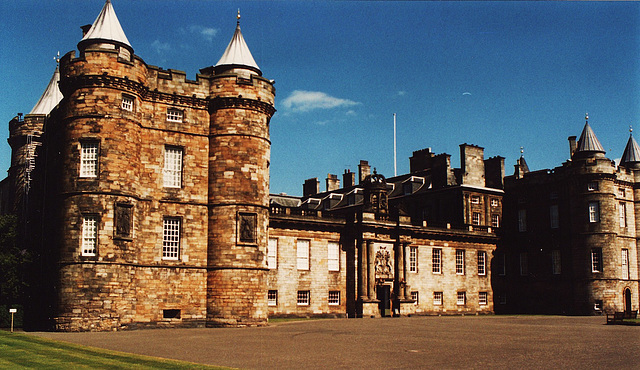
x,y
407,342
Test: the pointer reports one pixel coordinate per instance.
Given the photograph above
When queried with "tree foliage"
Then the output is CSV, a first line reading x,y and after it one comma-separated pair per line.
x,y
14,261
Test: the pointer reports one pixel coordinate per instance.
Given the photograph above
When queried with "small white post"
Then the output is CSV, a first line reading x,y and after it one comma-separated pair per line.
x,y
12,311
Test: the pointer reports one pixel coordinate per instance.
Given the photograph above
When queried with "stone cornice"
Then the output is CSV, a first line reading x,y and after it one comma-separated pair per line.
x,y
242,103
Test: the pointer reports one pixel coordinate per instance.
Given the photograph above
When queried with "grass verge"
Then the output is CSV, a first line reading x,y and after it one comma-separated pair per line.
x,y
27,351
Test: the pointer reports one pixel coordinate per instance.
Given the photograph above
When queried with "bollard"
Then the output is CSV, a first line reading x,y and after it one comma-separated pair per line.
x,y
12,311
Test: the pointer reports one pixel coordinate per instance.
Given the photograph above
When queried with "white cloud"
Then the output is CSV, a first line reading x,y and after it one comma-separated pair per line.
x,y
160,47
207,33
304,101
402,93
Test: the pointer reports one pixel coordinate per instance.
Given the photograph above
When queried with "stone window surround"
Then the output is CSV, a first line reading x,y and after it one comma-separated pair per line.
x,y
333,256
461,298
413,259
460,262
89,235
436,260
172,168
303,254
304,298
483,298
272,253
175,115
596,260
171,238
333,298
482,263
128,103
437,298
89,158
272,298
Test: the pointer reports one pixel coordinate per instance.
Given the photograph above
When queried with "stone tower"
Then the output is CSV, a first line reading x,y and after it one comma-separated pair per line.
x,y
239,155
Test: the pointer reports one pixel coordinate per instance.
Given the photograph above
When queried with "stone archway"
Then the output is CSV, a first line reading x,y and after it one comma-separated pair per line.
x,y
627,300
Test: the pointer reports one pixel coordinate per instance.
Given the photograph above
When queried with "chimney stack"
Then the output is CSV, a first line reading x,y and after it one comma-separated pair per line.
x,y
364,169
348,179
332,182
572,145
311,187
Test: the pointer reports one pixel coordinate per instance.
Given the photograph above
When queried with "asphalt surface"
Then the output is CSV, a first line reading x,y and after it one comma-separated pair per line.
x,y
513,342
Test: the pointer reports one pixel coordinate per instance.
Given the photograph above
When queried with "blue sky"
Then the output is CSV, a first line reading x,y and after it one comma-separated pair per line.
x,y
500,75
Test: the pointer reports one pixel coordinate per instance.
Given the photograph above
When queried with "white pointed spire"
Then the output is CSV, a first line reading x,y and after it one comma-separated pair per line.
x,y
51,96
107,27
237,52
588,141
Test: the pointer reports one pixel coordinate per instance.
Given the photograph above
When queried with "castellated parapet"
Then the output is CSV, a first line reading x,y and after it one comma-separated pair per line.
x,y
156,188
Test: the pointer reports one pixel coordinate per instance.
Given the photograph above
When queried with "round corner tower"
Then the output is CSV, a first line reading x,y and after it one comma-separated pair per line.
x,y
240,109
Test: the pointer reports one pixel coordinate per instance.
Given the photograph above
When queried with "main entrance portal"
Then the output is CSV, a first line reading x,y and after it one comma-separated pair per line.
x,y
384,296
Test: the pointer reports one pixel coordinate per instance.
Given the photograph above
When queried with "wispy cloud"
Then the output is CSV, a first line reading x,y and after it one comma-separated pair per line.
x,y
304,101
402,93
160,47
207,33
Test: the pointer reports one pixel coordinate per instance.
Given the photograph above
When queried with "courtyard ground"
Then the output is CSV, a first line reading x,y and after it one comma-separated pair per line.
x,y
406,342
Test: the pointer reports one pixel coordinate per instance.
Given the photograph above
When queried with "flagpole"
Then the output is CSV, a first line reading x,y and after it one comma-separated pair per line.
x,y
395,163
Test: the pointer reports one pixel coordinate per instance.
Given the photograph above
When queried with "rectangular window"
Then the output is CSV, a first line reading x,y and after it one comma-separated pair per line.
x,y
415,297
483,298
475,218
501,264
592,186
594,212
437,298
413,259
461,298
170,238
174,115
436,260
304,297
524,264
621,192
333,256
554,220
625,263
272,253
460,262
495,220
127,103
596,260
89,159
494,202
272,298
482,263
89,235
302,253
172,171
334,298
475,199
622,212
556,262
522,220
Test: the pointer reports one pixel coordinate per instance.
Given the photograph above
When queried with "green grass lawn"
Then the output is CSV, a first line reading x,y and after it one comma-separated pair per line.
x,y
26,351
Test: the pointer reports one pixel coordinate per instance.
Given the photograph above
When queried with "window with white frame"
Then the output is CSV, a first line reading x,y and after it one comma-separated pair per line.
x,y
89,159
592,186
622,212
522,220
437,298
482,263
459,262
495,220
89,235
483,298
304,297
524,264
333,256
624,260
334,298
494,202
413,259
272,298
172,171
475,199
556,262
554,220
594,212
272,253
436,260
596,260
475,218
415,297
302,254
175,115
127,103
461,298
170,238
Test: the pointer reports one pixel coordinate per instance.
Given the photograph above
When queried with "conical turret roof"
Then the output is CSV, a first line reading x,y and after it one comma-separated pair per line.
x,y
631,152
588,141
51,96
237,52
107,27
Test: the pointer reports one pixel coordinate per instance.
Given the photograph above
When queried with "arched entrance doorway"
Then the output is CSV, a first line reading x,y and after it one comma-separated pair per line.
x,y
627,300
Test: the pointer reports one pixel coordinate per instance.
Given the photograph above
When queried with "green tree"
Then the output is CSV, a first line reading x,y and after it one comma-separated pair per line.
x,y
14,262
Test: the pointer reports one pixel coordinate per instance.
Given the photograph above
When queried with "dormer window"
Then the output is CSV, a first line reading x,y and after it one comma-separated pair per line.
x,y
174,115
127,103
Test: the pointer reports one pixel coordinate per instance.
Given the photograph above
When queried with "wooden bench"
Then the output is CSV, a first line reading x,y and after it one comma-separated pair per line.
x,y
631,314
616,317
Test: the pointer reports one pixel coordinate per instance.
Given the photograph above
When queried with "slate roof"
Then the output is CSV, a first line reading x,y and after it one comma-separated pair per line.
x,y
631,152
588,141
107,27
51,96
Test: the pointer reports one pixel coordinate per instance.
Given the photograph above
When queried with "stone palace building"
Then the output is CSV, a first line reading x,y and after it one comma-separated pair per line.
x,y
144,197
